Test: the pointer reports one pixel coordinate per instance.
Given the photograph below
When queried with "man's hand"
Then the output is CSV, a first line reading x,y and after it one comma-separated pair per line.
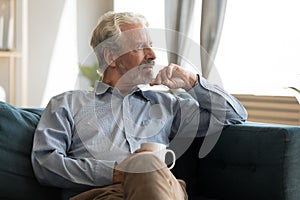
x,y
119,169
117,176
175,77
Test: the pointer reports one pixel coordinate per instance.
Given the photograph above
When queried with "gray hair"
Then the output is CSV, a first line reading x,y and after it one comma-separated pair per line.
x,y
109,27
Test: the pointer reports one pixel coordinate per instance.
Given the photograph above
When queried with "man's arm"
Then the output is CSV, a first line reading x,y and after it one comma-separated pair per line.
x,y
219,102
207,113
50,159
213,100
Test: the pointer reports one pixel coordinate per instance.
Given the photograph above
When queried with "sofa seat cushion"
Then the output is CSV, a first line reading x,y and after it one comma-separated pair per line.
x,y
17,179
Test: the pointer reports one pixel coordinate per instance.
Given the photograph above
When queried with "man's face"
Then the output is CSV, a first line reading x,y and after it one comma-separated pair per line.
x,y
136,61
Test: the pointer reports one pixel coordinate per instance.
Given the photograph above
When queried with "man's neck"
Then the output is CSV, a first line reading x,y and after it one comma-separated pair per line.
x,y
124,88
123,83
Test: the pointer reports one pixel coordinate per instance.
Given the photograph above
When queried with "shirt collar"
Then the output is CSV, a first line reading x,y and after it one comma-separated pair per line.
x,y
101,88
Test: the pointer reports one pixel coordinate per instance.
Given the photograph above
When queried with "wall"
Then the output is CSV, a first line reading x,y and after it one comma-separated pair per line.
x,y
43,23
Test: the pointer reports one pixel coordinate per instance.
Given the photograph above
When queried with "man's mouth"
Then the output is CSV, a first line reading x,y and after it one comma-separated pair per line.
x,y
146,67
149,67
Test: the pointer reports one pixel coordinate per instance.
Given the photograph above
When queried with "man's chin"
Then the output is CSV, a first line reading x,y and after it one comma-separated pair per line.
x,y
148,79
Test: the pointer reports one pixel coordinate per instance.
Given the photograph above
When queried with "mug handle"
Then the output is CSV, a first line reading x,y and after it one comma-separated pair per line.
x,y
174,157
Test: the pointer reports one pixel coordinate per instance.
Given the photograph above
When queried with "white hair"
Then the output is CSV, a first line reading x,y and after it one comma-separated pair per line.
x,y
108,27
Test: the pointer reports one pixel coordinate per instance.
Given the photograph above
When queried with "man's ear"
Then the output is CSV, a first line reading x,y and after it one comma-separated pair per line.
x,y
109,58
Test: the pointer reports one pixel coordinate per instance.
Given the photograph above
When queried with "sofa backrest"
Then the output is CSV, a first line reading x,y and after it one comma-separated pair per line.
x,y
17,180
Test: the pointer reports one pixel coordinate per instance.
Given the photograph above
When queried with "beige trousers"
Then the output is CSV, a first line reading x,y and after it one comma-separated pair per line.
x,y
141,182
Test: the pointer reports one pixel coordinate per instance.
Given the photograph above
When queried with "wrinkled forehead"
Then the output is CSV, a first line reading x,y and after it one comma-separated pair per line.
x,y
133,36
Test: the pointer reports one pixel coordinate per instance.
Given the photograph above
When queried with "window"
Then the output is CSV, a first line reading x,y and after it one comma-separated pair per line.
x,y
153,10
260,46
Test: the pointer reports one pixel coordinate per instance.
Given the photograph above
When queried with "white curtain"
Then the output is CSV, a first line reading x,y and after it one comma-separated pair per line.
x,y
178,17
213,12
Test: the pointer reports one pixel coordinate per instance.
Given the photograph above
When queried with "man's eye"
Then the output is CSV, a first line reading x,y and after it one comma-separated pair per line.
x,y
136,50
140,46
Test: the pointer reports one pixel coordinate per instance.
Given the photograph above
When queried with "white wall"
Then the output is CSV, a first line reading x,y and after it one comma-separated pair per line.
x,y
43,23
89,12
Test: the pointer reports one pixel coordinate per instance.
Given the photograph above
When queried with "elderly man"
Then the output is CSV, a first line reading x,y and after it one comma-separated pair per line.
x,y
87,142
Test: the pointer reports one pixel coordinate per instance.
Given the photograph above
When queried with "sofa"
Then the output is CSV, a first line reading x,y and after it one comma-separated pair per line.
x,y
250,161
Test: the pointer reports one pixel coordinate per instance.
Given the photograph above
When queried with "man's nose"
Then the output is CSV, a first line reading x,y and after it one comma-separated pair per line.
x,y
149,54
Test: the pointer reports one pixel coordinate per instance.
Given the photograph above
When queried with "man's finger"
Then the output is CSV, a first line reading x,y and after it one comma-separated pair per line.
x,y
157,80
164,75
142,150
170,70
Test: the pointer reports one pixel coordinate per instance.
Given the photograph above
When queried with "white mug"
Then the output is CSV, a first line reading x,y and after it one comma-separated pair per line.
x,y
160,150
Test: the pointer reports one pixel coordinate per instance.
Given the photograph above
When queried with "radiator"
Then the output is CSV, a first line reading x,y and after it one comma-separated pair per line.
x,y
271,109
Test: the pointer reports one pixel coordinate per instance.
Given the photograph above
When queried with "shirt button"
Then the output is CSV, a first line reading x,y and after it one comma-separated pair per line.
x,y
146,122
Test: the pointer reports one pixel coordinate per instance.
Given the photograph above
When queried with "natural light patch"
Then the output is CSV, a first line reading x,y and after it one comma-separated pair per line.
x,y
259,47
63,68
153,10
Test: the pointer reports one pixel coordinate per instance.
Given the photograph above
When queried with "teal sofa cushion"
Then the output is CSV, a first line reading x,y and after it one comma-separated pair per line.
x,y
17,180
253,161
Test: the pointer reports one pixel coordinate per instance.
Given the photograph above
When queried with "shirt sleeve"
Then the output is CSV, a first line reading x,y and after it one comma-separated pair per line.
x,y
50,160
214,99
213,110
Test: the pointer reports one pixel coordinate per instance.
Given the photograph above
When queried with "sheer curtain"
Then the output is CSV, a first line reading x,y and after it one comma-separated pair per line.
x,y
213,13
178,17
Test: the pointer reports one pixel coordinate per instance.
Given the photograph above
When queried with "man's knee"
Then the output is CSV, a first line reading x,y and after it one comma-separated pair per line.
x,y
150,178
143,163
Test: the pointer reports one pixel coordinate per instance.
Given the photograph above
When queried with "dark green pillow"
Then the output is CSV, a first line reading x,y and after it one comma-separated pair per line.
x,y
17,179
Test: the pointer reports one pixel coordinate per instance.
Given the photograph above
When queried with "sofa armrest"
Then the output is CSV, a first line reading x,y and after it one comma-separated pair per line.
x,y
249,161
